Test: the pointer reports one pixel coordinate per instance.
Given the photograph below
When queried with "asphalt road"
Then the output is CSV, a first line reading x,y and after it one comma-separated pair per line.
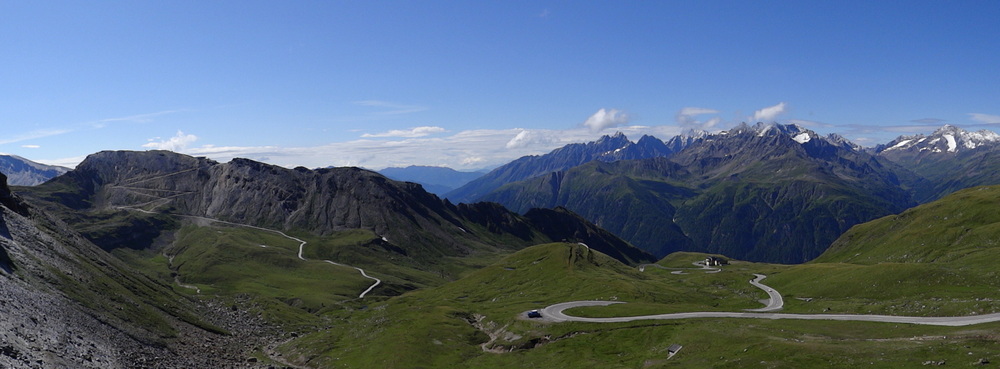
x,y
556,313
774,301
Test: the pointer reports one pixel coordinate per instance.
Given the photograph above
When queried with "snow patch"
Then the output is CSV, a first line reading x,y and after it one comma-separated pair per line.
x,y
802,138
900,144
952,145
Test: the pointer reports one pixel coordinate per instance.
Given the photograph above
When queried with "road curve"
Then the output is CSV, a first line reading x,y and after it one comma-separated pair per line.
x,y
555,313
774,301
301,245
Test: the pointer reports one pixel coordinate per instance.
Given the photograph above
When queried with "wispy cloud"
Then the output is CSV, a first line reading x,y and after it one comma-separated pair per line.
x,y
390,108
985,118
686,118
97,124
31,146
769,113
929,121
413,132
138,118
692,111
41,133
606,118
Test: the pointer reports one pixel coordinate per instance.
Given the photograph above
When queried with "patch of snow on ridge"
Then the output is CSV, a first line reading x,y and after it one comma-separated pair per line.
x,y
802,138
973,140
764,131
900,144
952,145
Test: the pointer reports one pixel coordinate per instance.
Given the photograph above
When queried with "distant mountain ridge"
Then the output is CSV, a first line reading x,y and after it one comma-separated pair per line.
x,y
607,148
436,180
24,172
947,139
949,159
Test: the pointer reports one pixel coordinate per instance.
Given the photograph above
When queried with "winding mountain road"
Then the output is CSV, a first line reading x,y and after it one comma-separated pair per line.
x,y
774,299
128,186
556,313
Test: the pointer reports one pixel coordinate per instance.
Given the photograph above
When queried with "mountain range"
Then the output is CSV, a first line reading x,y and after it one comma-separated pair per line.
x,y
767,192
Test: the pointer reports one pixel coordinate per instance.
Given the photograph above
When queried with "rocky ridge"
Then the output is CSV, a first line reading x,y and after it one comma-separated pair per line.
x,y
66,303
322,201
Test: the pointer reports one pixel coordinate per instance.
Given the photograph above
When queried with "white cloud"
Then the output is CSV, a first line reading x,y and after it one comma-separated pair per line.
x,y
528,138
31,146
604,119
985,118
769,113
413,132
177,143
464,150
471,149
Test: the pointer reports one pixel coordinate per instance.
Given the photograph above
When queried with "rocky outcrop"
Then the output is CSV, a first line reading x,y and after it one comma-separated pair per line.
x,y
67,304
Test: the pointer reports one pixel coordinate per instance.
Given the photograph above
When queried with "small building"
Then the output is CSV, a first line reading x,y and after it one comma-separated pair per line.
x,y
672,350
715,261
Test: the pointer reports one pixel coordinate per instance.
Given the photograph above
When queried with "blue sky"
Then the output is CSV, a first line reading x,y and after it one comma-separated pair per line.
x,y
474,84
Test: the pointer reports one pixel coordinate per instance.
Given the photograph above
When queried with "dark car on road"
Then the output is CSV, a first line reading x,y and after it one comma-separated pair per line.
x,y
534,314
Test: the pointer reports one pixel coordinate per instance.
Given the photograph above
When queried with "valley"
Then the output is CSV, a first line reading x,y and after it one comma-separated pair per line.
x,y
393,277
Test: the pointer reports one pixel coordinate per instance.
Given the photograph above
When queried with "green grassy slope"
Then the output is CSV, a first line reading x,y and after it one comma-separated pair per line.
x,y
959,229
476,322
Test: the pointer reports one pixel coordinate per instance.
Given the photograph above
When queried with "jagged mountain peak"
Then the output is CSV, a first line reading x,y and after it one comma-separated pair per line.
x,y
618,137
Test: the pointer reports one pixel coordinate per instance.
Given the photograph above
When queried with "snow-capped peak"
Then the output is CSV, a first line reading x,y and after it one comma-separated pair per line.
x,y
948,138
802,137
